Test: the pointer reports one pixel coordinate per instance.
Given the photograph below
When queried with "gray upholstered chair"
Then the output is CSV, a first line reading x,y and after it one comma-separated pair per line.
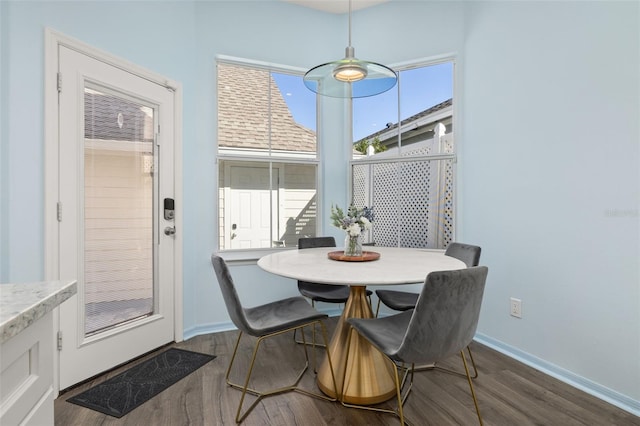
x,y
404,300
266,321
442,324
328,293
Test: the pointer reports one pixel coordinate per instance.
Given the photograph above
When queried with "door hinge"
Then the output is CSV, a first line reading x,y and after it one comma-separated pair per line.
x,y
59,340
59,211
59,82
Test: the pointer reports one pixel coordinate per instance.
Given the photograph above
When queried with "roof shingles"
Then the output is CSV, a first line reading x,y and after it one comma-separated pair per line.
x,y
244,110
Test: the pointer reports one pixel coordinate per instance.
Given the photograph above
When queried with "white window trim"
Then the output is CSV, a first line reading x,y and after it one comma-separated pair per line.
x,y
251,256
364,160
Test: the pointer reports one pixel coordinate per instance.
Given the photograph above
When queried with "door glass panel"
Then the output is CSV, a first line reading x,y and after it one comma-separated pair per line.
x,y
118,209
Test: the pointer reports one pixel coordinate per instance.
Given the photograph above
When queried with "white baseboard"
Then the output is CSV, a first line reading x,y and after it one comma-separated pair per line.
x,y
592,388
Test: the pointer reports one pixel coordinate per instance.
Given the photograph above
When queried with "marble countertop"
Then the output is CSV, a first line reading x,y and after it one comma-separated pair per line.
x,y
395,266
23,304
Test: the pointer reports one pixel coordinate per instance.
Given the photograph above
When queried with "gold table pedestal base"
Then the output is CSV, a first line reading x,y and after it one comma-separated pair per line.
x,y
369,376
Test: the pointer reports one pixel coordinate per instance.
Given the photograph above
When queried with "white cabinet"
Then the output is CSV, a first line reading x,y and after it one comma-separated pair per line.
x,y
26,378
27,349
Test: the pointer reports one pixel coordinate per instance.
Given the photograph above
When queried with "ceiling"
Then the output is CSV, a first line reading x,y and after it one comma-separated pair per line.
x,y
336,6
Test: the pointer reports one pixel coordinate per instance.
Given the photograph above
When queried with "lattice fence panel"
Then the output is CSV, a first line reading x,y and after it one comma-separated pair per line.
x,y
385,203
360,185
416,209
425,148
447,205
361,190
413,201
447,144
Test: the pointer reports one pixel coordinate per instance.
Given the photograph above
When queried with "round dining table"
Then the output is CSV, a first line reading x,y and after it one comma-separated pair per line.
x,y
368,378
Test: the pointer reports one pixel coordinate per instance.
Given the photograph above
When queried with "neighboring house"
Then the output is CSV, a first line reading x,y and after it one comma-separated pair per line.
x,y
418,127
243,125
254,121
418,194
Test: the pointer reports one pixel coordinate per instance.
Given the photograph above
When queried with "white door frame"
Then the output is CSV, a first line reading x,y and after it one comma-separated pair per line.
x,y
53,40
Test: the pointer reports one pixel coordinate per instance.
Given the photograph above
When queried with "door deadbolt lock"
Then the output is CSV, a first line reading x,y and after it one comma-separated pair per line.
x,y
170,230
169,209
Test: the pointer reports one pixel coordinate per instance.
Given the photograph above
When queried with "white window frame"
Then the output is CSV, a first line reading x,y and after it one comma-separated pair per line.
x,y
425,62
250,256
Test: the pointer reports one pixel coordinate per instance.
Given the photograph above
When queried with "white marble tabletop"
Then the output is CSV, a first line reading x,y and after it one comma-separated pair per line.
x,y
395,266
24,303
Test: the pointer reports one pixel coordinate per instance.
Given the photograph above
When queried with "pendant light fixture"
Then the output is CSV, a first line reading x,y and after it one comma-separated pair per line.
x,y
350,77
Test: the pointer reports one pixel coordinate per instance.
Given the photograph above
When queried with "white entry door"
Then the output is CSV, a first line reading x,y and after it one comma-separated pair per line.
x,y
253,206
116,223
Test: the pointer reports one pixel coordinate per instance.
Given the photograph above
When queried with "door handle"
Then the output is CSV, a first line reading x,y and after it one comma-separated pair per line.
x,y
170,230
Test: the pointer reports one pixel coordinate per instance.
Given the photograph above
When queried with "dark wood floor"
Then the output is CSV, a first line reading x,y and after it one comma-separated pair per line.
x,y
509,394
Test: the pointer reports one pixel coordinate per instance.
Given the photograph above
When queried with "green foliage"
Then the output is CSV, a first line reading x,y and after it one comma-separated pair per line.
x,y
362,217
337,216
362,145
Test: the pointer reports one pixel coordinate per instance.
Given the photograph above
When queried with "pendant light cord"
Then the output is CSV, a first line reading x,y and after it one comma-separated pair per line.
x,y
349,22
339,79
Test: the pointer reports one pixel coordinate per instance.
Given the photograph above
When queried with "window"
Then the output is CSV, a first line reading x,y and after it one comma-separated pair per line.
x,y
404,158
267,157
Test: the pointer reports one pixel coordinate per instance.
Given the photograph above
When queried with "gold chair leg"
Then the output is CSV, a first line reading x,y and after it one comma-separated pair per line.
x,y
473,393
325,338
244,388
399,385
300,342
447,370
293,387
398,394
473,363
233,357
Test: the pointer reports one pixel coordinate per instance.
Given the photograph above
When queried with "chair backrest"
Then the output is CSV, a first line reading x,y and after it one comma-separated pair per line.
x,y
446,315
313,242
469,254
230,295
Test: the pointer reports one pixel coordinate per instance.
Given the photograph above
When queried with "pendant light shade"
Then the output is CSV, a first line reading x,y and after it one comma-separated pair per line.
x,y
350,77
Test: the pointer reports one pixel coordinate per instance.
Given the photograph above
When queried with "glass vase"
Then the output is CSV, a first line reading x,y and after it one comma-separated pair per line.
x,y
352,245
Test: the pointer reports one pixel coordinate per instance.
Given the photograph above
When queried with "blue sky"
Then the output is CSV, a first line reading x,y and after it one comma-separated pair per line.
x,y
420,88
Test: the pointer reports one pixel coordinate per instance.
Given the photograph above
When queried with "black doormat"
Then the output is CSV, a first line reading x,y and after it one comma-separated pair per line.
x,y
132,388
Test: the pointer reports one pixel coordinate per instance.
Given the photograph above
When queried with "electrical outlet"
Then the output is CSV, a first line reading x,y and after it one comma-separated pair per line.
x,y
515,307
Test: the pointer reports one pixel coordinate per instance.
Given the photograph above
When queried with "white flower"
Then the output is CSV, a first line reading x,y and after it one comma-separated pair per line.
x,y
355,221
354,230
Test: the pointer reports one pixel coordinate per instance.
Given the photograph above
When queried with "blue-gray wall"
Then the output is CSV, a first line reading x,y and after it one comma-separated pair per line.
x,y
549,180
